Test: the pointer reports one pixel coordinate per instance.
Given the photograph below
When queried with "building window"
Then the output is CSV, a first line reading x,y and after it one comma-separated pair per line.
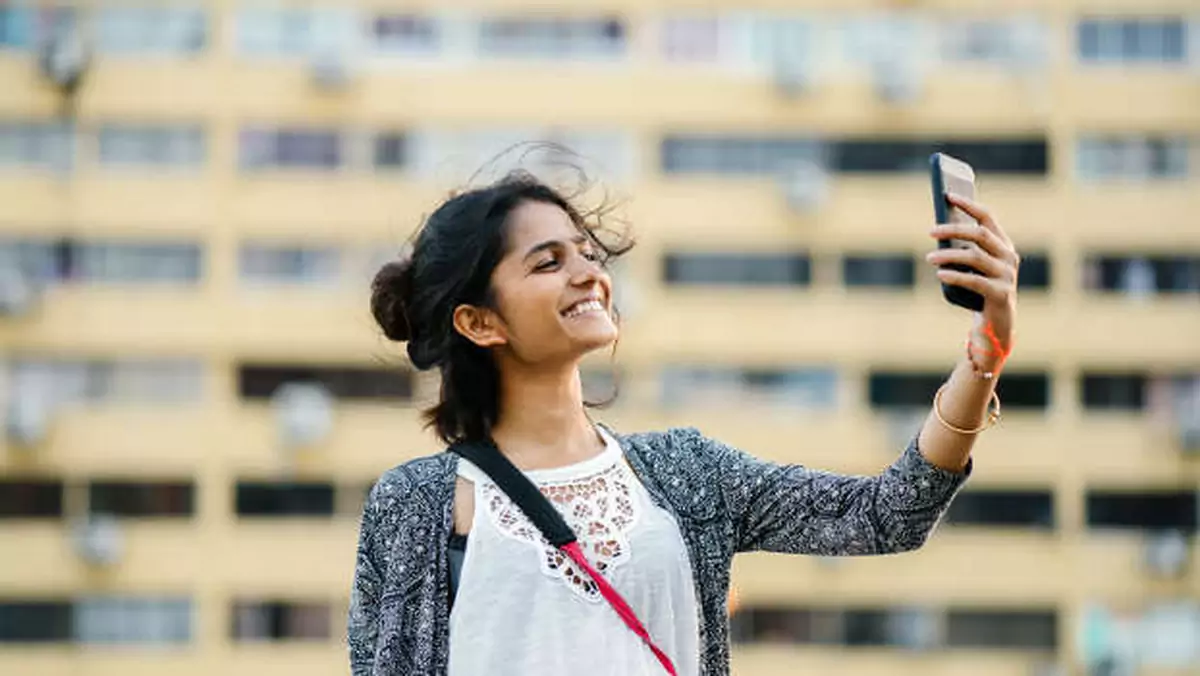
x,y
689,39
1024,390
157,146
36,260
140,499
263,148
1132,40
1034,274
749,154
916,627
1114,391
1101,158
739,155
296,31
129,620
281,621
150,30
262,264
391,150
259,381
1002,629
161,381
27,24
895,390
730,269
991,156
721,387
1145,510
103,262
894,271
1004,41
16,27
405,34
37,145
141,263
995,507
30,498
35,621
1142,276
263,498
552,38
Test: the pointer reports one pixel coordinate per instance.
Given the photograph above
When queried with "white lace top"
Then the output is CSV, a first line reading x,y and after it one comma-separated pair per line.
x,y
522,607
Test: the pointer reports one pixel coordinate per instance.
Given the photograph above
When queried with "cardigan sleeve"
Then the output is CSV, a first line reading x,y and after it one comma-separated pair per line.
x,y
362,625
793,509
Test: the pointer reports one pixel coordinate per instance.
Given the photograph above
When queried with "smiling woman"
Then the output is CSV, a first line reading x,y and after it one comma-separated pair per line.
x,y
542,542
493,277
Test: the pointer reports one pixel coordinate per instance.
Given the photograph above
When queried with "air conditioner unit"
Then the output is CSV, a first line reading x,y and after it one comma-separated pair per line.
x,y
915,629
98,540
303,414
330,71
17,292
793,75
28,418
1166,554
1047,669
1028,53
805,186
63,58
896,79
1189,436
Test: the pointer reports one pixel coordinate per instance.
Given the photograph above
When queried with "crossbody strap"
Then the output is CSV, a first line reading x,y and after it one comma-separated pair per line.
x,y
554,528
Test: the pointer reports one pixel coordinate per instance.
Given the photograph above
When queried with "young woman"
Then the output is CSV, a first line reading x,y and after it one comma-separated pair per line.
x,y
504,293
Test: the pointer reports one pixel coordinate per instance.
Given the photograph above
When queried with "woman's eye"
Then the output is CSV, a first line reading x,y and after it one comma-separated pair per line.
x,y
592,256
546,264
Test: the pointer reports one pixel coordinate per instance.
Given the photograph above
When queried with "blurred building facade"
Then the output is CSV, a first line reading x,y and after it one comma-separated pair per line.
x,y
193,198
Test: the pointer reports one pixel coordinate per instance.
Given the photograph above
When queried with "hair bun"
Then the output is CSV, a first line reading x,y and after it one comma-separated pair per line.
x,y
391,295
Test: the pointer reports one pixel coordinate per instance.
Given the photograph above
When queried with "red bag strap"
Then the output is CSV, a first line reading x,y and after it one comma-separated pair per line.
x,y
526,496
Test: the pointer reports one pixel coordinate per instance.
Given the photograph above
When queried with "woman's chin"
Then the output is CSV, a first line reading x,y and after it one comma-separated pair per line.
x,y
596,340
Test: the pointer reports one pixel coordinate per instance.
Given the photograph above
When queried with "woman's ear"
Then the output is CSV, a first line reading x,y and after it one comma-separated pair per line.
x,y
480,325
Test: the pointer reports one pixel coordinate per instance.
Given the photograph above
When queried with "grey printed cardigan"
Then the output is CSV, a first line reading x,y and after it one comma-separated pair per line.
x,y
723,500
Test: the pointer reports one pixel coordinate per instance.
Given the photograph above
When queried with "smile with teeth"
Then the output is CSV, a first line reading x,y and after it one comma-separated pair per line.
x,y
583,307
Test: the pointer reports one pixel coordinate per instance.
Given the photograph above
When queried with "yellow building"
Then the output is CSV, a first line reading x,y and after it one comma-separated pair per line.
x,y
190,212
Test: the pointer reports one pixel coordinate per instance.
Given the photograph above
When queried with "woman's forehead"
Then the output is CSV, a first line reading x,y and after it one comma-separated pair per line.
x,y
535,222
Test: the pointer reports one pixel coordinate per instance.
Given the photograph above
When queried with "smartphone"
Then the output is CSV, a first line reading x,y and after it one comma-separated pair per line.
x,y
952,175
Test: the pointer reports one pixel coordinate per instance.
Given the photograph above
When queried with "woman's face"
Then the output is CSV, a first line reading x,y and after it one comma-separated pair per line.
x,y
554,299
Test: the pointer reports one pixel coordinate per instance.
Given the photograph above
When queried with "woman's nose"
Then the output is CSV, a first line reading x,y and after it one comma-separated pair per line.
x,y
585,271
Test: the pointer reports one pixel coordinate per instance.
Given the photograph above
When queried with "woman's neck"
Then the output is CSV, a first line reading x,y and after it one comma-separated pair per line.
x,y
542,422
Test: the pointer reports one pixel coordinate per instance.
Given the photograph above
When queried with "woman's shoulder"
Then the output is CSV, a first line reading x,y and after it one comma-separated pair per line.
x,y
426,480
676,450
673,441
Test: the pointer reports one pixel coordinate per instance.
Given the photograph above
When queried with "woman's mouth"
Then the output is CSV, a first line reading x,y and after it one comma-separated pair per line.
x,y
584,307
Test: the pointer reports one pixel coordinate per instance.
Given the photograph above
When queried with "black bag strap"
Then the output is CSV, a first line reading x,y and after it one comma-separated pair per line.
x,y
488,458
519,489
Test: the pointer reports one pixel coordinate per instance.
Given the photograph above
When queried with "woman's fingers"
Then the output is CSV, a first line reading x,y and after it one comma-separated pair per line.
x,y
987,240
973,258
981,214
998,290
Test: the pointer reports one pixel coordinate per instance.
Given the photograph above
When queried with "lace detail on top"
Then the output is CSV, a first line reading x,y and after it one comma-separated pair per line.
x,y
600,508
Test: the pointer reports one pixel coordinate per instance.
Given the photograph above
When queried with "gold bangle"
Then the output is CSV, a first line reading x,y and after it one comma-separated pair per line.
x,y
993,415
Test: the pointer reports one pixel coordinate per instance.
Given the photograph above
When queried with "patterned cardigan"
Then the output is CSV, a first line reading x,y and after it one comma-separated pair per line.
x,y
724,501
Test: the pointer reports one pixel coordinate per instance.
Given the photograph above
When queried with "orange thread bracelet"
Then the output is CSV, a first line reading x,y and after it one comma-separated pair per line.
x,y
997,350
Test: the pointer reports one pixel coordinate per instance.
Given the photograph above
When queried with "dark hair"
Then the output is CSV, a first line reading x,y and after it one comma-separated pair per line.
x,y
451,263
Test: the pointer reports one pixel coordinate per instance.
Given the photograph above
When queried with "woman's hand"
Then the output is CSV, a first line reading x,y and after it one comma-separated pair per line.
x,y
996,259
